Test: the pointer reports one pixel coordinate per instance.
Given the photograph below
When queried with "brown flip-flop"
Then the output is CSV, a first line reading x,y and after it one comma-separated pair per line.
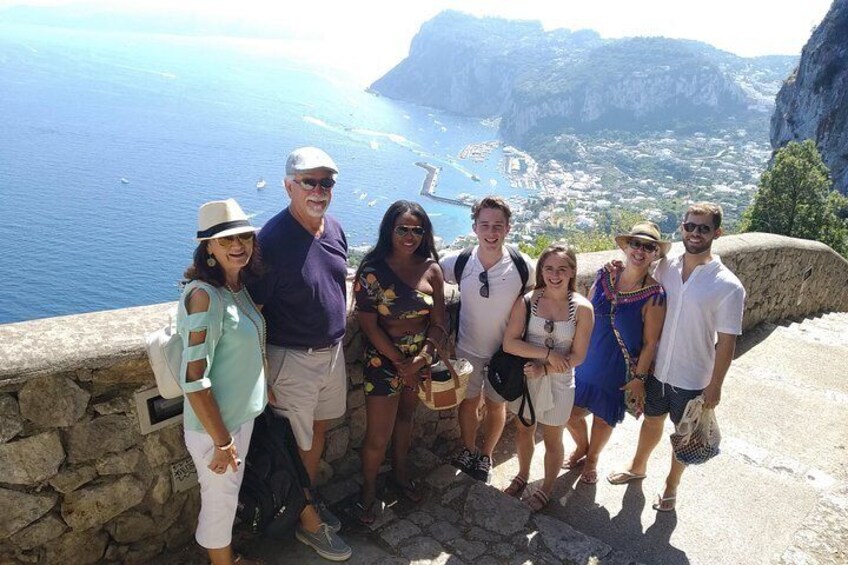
x,y
659,504
589,476
623,477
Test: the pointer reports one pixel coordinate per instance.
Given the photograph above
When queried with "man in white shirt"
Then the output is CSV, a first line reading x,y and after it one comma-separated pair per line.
x,y
490,276
703,317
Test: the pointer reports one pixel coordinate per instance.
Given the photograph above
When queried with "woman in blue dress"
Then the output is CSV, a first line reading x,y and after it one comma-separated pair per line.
x,y
629,313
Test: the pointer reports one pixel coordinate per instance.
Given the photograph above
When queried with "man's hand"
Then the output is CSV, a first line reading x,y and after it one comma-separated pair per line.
x,y
712,396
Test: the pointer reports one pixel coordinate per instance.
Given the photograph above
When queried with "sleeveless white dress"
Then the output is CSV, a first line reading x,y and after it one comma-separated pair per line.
x,y
552,394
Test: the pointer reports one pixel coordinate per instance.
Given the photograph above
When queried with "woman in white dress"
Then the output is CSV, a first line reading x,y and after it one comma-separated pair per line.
x,y
558,333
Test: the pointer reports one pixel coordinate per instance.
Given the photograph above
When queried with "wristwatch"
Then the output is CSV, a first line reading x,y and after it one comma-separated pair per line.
x,y
641,376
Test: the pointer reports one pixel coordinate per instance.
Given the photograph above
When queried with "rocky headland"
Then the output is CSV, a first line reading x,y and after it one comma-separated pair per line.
x,y
813,102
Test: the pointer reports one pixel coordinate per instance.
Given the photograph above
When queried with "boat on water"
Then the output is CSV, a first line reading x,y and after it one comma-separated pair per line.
x,y
260,184
124,181
372,203
475,178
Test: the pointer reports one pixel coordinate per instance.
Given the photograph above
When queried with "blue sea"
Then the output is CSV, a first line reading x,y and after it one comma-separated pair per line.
x,y
110,142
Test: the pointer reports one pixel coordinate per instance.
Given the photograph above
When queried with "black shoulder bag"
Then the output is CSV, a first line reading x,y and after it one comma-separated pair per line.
x,y
506,374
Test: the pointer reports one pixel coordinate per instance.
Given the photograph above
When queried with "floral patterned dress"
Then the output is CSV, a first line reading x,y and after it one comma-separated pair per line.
x,y
378,290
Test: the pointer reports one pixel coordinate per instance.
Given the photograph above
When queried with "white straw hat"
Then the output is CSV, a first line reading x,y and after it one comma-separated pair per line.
x,y
221,218
646,231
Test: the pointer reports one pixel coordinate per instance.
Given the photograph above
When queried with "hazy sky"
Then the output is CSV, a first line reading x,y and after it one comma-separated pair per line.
x,y
367,37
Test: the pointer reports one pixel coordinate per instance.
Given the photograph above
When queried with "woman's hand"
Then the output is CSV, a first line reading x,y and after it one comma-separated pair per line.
x,y
534,369
558,362
637,394
615,266
223,458
409,370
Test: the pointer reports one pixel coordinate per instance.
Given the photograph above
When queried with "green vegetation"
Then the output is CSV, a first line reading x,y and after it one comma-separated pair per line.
x,y
796,198
602,238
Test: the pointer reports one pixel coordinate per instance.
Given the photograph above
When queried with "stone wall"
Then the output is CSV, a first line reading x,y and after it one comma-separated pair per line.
x,y
82,484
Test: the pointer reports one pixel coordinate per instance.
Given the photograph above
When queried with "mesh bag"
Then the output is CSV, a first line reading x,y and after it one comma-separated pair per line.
x,y
696,438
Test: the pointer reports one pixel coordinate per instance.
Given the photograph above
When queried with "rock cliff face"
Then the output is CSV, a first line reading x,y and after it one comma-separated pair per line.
x,y
633,83
547,82
813,102
468,65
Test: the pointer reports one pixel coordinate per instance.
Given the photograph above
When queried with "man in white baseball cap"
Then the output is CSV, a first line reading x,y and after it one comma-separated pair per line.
x,y
303,295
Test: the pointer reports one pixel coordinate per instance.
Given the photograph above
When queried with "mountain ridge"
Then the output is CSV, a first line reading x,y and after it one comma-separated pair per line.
x,y
562,79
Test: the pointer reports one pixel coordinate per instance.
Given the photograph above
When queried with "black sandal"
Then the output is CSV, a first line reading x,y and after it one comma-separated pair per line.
x,y
367,514
411,491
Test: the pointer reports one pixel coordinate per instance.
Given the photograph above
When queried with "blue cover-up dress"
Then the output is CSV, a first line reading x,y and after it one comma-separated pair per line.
x,y
599,379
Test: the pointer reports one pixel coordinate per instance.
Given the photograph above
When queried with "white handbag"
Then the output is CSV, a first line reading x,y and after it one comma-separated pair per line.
x,y
165,348
165,353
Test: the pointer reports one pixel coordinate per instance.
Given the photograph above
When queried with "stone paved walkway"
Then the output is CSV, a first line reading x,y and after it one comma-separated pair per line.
x,y
778,493
461,521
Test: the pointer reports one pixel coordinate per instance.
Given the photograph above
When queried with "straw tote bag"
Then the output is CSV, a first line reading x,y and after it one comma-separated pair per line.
x,y
445,387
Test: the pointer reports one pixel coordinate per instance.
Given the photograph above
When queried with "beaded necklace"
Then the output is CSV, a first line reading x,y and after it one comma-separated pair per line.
x,y
621,297
260,327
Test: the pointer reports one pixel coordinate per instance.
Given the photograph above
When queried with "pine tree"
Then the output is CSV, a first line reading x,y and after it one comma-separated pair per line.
x,y
796,198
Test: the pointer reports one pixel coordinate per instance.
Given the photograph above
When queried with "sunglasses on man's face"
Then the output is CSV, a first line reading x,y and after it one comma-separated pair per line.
x,y
403,231
484,279
228,240
703,229
312,184
646,246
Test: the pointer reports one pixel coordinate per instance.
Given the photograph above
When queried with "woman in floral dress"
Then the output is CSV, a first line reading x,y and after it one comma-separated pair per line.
x,y
401,309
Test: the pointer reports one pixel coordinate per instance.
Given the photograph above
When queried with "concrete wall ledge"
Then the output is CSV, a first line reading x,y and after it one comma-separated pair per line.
x,y
770,266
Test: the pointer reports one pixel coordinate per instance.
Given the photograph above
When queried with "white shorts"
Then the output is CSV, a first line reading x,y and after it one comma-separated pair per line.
x,y
309,385
478,382
218,493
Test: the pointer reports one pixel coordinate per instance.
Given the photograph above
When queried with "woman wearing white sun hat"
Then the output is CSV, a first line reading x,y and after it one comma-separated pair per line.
x,y
222,372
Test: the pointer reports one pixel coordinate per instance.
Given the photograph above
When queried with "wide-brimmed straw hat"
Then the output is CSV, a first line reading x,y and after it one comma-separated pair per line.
x,y
221,218
645,231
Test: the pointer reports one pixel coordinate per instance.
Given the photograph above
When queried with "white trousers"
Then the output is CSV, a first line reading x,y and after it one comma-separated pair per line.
x,y
218,493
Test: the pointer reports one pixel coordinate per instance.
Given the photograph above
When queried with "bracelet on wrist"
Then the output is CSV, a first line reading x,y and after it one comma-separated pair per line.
x,y
641,376
227,446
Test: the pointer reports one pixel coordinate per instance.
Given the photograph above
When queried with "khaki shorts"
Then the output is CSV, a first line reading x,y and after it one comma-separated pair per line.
x,y
478,381
309,385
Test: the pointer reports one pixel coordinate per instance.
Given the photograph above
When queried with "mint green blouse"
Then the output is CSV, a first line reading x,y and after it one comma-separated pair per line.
x,y
235,369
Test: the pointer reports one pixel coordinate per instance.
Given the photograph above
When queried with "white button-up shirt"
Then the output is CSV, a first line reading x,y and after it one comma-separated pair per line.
x,y
711,301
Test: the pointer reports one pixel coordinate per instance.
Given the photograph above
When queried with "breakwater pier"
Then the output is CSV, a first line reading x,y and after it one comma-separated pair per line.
x,y
431,181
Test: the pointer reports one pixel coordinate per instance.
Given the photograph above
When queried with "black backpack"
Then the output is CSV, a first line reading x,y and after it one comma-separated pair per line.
x,y
462,260
271,496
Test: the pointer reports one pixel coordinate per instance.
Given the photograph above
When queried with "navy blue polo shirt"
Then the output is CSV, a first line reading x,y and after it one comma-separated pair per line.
x,y
303,292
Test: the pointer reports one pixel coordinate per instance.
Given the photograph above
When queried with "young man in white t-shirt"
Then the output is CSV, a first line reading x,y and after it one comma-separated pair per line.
x,y
490,282
703,317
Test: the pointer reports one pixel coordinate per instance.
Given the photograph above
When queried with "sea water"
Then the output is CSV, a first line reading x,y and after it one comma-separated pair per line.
x,y
110,142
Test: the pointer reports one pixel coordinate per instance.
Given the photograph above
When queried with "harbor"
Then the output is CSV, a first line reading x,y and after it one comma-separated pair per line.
x,y
431,181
